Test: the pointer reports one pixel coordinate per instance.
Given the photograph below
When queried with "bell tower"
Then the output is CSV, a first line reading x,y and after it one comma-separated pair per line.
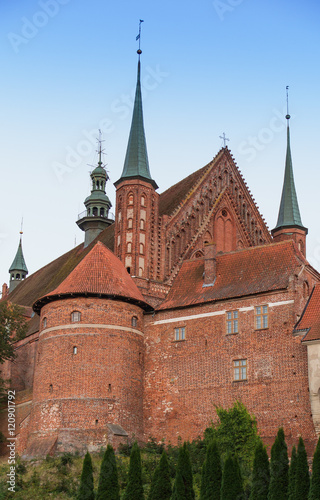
x,y
136,221
96,216
289,224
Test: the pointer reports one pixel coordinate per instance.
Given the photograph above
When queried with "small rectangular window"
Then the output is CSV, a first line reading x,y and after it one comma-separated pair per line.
x,y
75,316
262,320
240,369
180,333
232,322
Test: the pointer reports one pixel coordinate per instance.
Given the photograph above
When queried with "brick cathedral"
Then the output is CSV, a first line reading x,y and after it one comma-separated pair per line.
x,y
183,302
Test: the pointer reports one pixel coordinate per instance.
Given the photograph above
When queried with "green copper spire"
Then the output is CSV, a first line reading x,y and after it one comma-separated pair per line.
x,y
19,263
289,213
18,269
136,164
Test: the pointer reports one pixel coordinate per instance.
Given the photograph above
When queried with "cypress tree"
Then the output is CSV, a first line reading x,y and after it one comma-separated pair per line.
x,y
292,474
161,484
211,474
314,493
86,481
260,474
183,485
279,466
134,489
231,486
302,482
108,479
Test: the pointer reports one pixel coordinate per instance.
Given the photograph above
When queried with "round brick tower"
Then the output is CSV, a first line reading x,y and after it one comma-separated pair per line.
x,y
88,381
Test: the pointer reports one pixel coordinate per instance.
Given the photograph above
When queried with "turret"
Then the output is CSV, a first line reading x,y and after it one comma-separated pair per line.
x,y
96,216
289,224
18,269
136,201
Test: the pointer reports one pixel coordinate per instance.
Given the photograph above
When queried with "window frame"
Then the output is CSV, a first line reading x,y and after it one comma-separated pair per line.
x,y
73,317
134,321
237,369
179,333
232,321
260,317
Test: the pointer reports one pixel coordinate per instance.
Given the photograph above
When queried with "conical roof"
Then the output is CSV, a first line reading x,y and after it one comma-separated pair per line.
x,y
100,273
289,213
136,164
19,263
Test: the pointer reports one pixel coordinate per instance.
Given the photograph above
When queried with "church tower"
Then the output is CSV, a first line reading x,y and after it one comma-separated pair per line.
x,y
136,222
96,216
289,225
18,269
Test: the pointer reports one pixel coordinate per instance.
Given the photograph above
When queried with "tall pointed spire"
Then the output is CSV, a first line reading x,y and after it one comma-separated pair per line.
x,y
18,269
289,217
136,164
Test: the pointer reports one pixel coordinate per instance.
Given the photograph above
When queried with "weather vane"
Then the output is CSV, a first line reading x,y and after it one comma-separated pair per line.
x,y
138,37
287,115
224,138
100,151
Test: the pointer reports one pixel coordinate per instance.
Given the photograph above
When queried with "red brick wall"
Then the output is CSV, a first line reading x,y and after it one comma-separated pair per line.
x,y
142,230
102,383
184,380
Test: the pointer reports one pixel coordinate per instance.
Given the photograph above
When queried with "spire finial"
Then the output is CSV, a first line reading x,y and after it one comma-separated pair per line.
x,y
138,37
287,115
100,148
21,230
224,138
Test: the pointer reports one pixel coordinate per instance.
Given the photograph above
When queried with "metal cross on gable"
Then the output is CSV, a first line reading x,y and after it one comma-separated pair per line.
x,y
224,138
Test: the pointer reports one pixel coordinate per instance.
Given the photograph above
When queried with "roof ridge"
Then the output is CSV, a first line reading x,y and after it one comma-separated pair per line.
x,y
195,184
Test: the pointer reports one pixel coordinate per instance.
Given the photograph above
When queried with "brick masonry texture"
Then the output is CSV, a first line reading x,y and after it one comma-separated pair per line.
x,y
118,373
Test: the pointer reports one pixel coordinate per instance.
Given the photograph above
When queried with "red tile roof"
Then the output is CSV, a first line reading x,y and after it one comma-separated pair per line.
x,y
101,273
310,319
244,272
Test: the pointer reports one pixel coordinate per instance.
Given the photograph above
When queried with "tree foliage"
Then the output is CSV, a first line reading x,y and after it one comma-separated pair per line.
x,y
314,492
161,484
260,474
134,489
231,486
211,474
86,482
302,482
108,479
236,434
183,485
292,474
13,326
279,466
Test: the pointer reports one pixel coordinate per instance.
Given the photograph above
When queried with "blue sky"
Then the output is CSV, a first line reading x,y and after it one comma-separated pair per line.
x,y
68,68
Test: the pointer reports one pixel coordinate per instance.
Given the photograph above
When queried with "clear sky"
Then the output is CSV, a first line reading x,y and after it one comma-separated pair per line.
x,y
68,68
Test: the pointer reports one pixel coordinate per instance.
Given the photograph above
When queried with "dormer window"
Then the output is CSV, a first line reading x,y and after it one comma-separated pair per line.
x,y
75,316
